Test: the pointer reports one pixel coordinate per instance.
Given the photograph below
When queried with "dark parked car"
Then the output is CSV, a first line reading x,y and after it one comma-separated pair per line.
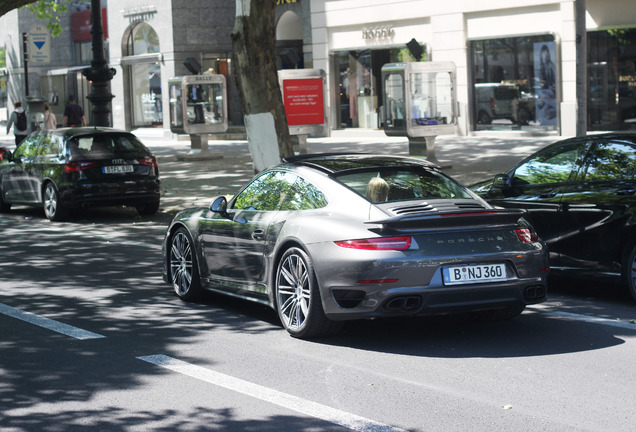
x,y
580,195
327,238
63,169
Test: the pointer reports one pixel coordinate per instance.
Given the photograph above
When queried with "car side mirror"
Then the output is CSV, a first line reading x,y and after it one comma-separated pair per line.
x,y
8,156
219,205
501,181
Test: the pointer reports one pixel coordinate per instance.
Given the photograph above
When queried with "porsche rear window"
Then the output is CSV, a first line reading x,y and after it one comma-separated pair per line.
x,y
390,185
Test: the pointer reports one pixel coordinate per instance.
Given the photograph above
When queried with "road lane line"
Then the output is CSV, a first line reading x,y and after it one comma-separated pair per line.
x,y
48,323
294,403
588,318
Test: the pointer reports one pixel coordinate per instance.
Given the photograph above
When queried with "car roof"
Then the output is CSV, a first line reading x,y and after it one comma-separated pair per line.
x,y
335,163
88,130
624,136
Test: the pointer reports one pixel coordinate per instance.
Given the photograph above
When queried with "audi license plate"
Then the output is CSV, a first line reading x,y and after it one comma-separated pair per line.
x,y
474,274
118,169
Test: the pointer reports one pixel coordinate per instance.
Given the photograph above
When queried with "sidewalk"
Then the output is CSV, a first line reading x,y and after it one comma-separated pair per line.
x,y
184,184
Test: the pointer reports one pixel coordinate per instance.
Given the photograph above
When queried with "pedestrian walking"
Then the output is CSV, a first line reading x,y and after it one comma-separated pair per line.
x,y
74,114
18,120
50,122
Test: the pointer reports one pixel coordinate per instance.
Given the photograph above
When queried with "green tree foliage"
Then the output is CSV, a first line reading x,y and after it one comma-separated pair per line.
x,y
50,10
46,10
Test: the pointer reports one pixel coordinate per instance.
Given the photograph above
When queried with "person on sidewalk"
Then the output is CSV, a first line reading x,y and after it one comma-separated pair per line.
x,y
74,114
50,122
18,120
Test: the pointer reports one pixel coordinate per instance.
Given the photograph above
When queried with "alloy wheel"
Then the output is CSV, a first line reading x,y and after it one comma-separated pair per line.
x,y
181,264
293,291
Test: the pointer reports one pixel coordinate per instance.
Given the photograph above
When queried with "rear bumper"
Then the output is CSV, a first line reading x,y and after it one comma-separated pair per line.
x,y
111,195
431,300
367,284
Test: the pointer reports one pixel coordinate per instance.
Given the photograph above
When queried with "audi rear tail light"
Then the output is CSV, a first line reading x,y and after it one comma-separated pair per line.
x,y
149,161
71,167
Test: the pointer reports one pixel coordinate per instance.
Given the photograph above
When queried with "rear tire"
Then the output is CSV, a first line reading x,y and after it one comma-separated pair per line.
x,y
148,209
184,271
629,270
4,207
484,118
54,210
298,298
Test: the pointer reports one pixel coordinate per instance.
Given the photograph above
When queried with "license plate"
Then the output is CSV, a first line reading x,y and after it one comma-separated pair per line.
x,y
118,169
474,274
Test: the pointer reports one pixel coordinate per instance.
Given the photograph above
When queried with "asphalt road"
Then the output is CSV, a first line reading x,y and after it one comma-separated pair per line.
x,y
92,339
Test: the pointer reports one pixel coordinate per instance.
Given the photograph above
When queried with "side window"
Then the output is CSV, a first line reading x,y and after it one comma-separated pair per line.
x,y
556,165
611,161
304,196
50,146
28,147
266,192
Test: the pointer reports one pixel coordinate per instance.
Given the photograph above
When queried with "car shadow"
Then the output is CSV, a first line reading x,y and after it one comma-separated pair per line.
x,y
460,336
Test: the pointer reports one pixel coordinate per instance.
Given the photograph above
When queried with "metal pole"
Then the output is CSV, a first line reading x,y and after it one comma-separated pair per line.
x,y
99,74
25,48
581,68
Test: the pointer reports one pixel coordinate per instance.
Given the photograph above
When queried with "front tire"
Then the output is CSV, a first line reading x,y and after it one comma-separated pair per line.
x,y
630,273
298,297
184,271
54,210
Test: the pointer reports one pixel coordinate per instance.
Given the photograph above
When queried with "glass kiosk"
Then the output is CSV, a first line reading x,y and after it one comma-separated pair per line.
x,y
420,103
198,107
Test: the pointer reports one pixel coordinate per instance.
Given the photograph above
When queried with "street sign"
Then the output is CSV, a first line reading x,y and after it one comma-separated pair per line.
x,y
39,45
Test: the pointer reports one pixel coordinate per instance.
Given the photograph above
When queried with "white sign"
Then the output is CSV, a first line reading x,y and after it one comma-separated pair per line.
x,y
39,45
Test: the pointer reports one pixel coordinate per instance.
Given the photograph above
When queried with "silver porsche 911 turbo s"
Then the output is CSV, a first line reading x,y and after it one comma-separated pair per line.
x,y
327,238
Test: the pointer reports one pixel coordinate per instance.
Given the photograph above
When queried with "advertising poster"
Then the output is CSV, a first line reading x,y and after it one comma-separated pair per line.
x,y
303,100
545,83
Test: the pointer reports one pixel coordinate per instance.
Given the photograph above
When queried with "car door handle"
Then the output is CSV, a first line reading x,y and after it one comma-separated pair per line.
x,y
258,234
550,194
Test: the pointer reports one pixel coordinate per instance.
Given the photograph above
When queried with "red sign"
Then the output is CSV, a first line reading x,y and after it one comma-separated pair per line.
x,y
81,25
303,100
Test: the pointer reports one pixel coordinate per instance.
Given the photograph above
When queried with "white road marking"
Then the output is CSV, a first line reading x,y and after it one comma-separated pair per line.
x,y
589,319
49,324
294,403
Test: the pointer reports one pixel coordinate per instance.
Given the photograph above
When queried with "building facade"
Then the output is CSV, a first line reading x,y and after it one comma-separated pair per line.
x,y
147,43
515,59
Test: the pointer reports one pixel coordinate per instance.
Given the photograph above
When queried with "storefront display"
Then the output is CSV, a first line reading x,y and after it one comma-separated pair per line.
x,y
611,102
514,83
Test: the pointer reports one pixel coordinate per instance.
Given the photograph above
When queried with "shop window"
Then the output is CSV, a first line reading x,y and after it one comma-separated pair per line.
x,y
144,76
360,85
514,83
611,70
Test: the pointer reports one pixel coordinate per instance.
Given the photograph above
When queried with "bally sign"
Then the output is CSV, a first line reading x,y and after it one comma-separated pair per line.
x,y
303,99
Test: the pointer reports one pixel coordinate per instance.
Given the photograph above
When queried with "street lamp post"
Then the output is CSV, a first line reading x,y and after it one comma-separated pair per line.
x,y
99,73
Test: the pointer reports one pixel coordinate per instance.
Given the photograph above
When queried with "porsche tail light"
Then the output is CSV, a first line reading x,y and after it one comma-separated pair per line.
x,y
378,243
527,235
71,167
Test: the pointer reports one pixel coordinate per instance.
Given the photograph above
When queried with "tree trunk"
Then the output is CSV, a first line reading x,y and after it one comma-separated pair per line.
x,y
253,43
9,5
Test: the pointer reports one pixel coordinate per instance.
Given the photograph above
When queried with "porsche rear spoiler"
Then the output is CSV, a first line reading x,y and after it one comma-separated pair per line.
x,y
451,220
